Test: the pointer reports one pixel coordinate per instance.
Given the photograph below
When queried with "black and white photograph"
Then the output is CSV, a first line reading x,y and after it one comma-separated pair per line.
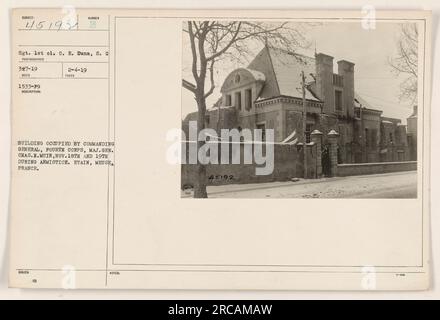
x,y
300,109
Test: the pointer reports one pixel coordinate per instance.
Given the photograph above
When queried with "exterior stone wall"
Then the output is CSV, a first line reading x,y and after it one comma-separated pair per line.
x,y
375,168
288,164
271,119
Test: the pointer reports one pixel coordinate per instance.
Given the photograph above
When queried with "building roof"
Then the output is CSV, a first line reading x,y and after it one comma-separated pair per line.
x,y
282,72
361,102
392,120
259,76
366,106
287,68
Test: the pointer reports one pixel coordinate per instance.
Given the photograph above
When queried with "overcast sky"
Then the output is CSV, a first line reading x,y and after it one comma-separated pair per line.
x,y
368,49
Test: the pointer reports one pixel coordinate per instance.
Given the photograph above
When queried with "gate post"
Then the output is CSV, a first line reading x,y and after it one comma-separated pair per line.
x,y
333,152
316,137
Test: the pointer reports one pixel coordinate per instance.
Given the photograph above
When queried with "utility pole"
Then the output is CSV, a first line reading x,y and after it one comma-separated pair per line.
x,y
218,117
303,88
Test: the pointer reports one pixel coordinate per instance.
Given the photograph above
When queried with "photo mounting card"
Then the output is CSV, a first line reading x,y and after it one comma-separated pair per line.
x,y
220,149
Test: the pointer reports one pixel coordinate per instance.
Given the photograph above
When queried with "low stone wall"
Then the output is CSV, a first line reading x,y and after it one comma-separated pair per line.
x,y
353,169
288,164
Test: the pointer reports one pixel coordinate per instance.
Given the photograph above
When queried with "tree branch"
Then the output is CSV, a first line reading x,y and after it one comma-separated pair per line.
x,y
231,42
211,76
193,51
189,86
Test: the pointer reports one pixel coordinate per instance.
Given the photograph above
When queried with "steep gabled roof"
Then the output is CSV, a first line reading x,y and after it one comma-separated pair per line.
x,y
288,68
283,72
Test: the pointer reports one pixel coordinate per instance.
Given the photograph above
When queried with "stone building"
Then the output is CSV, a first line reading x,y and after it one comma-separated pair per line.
x,y
412,134
267,94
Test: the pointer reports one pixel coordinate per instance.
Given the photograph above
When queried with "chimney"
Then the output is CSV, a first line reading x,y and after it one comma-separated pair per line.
x,y
346,70
412,122
414,114
324,81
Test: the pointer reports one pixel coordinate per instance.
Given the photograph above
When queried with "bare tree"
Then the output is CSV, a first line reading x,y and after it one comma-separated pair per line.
x,y
405,62
212,41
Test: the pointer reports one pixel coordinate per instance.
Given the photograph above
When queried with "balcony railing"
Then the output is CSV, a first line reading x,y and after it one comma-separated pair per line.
x,y
338,80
